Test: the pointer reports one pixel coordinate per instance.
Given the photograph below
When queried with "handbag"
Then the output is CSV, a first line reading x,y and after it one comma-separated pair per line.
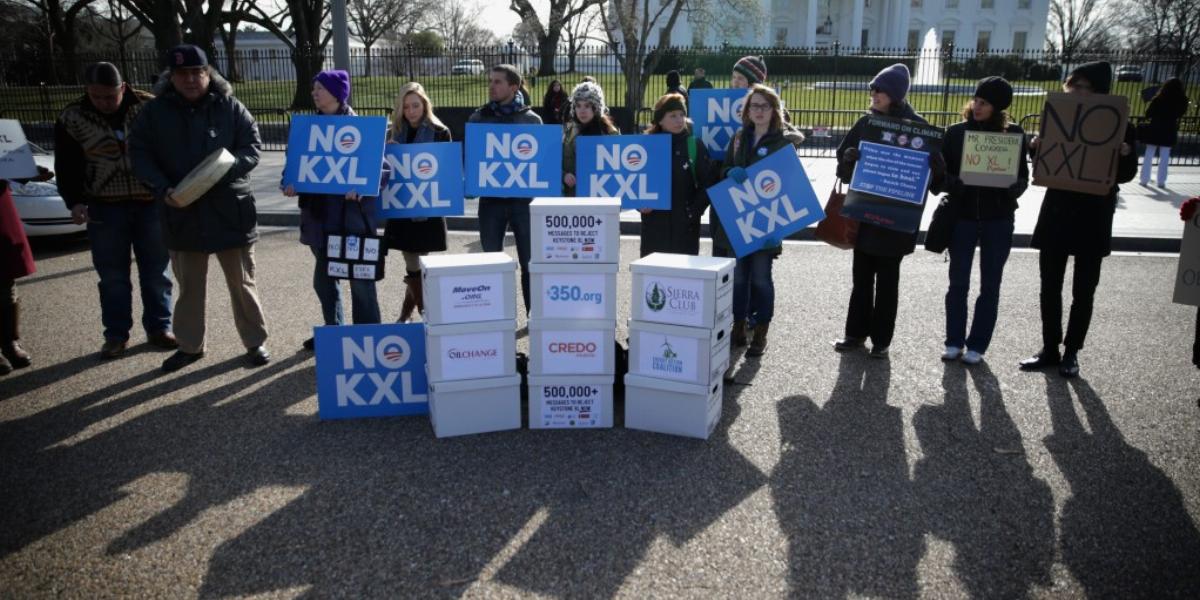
x,y
835,229
355,256
941,228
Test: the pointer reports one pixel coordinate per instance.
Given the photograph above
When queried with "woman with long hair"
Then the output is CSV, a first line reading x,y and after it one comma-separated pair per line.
x,y
588,116
553,102
1161,132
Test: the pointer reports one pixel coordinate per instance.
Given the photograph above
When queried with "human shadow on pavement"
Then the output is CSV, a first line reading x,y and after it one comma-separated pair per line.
x,y
1124,532
38,375
842,492
977,491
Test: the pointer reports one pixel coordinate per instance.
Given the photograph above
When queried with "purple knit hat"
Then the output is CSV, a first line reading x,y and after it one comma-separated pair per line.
x,y
337,83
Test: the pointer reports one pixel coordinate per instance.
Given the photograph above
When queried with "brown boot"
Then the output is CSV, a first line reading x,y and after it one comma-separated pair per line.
x,y
758,347
10,332
738,336
410,302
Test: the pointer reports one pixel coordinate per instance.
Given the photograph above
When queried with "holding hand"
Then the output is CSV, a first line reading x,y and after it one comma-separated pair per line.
x,y
79,214
289,191
569,179
353,196
1125,149
850,155
737,174
1034,143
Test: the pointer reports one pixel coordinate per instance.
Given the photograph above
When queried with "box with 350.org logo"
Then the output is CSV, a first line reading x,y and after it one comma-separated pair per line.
x,y
575,230
466,288
676,289
562,291
572,347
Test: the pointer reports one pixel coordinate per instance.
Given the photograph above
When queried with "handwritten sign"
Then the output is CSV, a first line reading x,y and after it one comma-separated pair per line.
x,y
1080,143
776,200
335,154
991,159
892,176
514,161
716,117
16,157
634,168
1187,279
426,181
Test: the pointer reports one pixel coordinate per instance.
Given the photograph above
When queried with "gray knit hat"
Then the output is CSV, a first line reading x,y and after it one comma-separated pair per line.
x,y
590,93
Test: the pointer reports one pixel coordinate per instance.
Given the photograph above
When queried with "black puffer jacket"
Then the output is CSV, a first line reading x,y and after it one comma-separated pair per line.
x,y
171,136
975,203
1163,115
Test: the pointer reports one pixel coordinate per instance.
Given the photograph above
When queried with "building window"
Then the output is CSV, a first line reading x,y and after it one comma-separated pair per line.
x,y
987,4
914,39
951,4
1024,4
781,35
983,43
947,38
1019,39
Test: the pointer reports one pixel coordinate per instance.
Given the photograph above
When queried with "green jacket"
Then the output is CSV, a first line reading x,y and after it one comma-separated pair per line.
x,y
743,152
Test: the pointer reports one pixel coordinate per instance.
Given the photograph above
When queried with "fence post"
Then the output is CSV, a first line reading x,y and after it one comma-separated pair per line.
x,y
946,60
837,46
45,90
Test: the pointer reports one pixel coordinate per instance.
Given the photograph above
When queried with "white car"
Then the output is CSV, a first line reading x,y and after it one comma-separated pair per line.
x,y
42,210
467,66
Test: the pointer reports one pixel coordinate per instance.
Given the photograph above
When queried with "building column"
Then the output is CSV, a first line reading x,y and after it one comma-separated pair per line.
x,y
850,26
856,24
891,25
808,34
903,14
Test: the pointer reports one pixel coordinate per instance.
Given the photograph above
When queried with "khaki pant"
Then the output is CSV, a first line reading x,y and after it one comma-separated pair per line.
x,y
191,274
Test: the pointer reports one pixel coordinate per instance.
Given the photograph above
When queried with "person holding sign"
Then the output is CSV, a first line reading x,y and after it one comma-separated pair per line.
x,y
763,132
413,122
677,231
878,250
1075,223
322,215
588,115
988,145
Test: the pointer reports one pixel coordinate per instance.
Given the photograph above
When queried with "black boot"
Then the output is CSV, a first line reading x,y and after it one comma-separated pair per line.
x,y
1070,365
10,333
1046,358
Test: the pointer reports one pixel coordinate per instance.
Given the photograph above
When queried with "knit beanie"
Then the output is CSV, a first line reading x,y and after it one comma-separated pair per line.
x,y
337,83
669,103
102,73
892,81
1099,74
996,90
590,93
752,68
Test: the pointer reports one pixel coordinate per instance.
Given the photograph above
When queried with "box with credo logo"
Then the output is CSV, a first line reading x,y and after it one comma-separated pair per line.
x,y
465,288
685,354
576,230
475,405
676,289
471,350
572,347
566,291
670,407
570,402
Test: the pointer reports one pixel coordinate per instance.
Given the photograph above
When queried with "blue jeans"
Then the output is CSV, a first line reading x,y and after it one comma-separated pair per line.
x,y
495,217
753,288
995,241
363,299
114,229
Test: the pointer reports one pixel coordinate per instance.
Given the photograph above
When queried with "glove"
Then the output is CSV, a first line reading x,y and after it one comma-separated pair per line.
x,y
1189,208
737,174
937,165
1015,190
850,156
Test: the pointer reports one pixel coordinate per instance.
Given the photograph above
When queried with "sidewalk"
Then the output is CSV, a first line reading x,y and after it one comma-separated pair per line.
x,y
1147,218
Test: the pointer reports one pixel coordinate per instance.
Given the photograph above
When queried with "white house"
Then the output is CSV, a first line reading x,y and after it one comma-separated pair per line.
x,y
263,56
994,25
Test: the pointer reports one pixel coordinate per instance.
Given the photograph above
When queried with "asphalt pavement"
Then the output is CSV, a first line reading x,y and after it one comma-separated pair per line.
x,y
829,475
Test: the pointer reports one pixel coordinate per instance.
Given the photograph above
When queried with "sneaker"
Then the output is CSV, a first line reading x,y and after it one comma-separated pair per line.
x,y
180,360
1041,360
163,339
972,357
113,349
952,353
258,356
879,352
1069,367
848,343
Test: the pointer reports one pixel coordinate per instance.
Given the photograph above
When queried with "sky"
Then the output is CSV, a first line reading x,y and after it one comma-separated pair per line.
x,y
498,17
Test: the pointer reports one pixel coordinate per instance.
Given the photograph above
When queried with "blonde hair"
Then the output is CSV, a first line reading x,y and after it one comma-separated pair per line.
x,y
772,99
398,120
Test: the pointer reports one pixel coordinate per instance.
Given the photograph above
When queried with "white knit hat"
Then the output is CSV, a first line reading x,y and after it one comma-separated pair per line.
x,y
590,93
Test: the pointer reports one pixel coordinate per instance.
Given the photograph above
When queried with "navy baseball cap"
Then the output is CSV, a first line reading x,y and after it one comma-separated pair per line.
x,y
186,56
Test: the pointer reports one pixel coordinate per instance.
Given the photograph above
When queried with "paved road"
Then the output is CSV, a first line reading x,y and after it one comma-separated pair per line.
x,y
829,475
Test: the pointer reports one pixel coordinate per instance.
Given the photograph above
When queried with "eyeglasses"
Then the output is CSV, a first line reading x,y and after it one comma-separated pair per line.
x,y
759,106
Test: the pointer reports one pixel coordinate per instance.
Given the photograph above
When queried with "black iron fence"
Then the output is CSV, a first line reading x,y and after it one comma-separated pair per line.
x,y
824,89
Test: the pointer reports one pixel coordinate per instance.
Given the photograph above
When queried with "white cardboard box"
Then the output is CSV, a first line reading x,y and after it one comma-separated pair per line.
x,y
684,354
572,347
465,288
669,407
475,405
572,291
571,402
576,230
471,350
676,289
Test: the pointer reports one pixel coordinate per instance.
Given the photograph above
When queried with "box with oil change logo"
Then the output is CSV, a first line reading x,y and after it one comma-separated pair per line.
x,y
471,350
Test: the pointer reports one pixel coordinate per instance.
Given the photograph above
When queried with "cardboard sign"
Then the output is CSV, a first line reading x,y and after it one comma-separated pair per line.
x,y
427,181
16,157
991,159
371,370
716,117
514,161
776,200
1187,279
634,168
1080,145
335,154
892,175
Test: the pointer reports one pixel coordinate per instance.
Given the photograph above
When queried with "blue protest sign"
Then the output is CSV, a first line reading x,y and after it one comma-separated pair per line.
x,y
634,168
892,173
426,181
775,201
335,154
371,370
716,117
514,161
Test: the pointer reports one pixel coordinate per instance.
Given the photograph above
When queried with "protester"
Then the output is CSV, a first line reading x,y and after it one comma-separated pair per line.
x,y
588,116
554,103
1187,212
1080,225
762,133
677,230
748,71
96,180
413,122
698,81
675,84
195,114
498,214
16,261
982,216
331,214
878,251
1161,133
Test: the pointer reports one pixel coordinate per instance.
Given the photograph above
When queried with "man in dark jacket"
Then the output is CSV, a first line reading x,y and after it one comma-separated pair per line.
x,y
698,80
497,214
96,179
194,115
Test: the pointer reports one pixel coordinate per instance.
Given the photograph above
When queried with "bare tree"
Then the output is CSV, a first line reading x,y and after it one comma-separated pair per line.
x,y
458,22
120,29
1163,26
228,31
1078,26
161,18
301,26
59,21
561,13
584,28
372,20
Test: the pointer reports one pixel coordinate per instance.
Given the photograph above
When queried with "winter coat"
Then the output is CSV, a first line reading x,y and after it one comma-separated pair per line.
x,y
493,113
873,239
1080,224
91,156
700,83
977,203
1163,115
171,137
419,235
553,106
677,230
16,258
572,131
743,152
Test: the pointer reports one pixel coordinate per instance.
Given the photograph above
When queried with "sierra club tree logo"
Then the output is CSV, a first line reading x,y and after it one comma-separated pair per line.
x,y
656,299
